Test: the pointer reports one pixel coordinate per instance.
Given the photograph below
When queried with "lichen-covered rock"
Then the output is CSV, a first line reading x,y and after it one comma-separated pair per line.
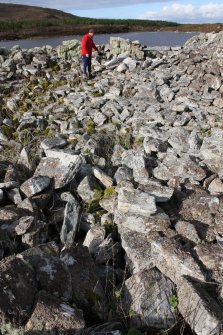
x,y
144,224
95,236
216,187
137,249
70,221
210,255
147,295
113,328
136,202
211,151
56,142
18,288
156,189
87,188
183,167
200,208
62,171
36,234
52,315
188,230
137,162
25,162
88,293
69,49
175,262
201,310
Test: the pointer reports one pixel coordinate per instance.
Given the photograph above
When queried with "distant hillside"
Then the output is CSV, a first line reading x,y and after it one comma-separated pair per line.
x,y
20,21
11,12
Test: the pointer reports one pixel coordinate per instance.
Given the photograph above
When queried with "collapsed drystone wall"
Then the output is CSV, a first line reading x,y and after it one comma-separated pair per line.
x,y
111,211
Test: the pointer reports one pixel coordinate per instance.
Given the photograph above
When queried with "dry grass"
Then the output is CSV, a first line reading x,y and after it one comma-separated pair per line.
x,y
10,153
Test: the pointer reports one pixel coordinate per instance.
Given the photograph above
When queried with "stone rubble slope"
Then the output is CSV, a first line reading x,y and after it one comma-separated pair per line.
x,y
111,189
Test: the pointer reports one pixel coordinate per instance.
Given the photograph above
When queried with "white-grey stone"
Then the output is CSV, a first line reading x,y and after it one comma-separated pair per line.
x,y
157,190
87,189
14,195
60,166
135,160
122,68
55,142
212,151
170,258
102,176
137,249
184,168
142,224
70,222
216,187
123,173
94,238
188,230
25,159
69,49
3,137
136,202
35,185
131,63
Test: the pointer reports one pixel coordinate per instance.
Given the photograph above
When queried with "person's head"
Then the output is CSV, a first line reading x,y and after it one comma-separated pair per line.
x,y
91,32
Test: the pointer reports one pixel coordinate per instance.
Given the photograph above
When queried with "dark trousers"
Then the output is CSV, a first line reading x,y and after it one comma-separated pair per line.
x,y
87,64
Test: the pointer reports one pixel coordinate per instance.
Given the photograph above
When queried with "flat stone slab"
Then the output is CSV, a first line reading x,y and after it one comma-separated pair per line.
x,y
35,185
62,170
147,294
199,308
56,142
188,230
157,190
144,224
136,202
137,249
182,167
212,151
211,256
170,258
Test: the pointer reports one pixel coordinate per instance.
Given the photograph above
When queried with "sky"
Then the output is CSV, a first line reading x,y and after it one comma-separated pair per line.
x,y
182,11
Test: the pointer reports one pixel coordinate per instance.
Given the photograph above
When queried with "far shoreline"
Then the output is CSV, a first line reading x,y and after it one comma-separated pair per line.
x,y
39,37
57,31
146,39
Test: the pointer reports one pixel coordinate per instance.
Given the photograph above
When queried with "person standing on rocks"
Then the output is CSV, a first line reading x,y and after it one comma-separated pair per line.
x,y
87,46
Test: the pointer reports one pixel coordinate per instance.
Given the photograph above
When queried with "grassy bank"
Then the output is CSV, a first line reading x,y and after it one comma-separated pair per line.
x,y
76,25
80,21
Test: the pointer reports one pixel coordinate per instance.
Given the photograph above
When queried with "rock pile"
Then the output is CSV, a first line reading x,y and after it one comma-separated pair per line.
x,y
111,190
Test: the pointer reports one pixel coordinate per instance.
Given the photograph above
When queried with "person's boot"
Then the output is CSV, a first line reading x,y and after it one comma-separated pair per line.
x,y
90,76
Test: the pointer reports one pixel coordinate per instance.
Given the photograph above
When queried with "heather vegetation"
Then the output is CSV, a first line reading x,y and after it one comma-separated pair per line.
x,y
5,25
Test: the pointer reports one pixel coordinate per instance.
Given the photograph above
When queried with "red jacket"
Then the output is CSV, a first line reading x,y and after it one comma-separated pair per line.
x,y
88,45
